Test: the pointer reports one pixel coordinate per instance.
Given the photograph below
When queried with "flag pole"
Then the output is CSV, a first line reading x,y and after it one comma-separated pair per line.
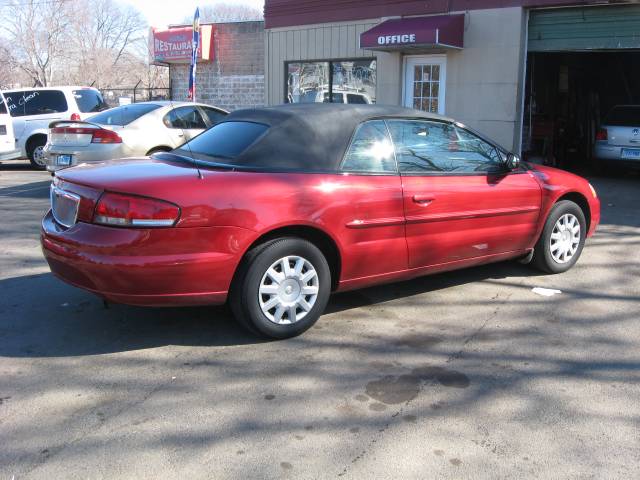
x,y
195,43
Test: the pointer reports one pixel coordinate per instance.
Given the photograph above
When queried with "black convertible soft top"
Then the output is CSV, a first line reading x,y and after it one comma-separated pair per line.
x,y
310,137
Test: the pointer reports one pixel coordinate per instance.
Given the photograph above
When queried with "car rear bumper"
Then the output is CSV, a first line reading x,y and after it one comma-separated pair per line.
x,y
91,153
612,153
146,267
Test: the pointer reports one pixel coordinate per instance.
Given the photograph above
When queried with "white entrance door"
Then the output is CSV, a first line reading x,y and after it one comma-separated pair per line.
x,y
424,83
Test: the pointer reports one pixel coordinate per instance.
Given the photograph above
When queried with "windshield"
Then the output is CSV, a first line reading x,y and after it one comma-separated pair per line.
x,y
226,140
626,116
123,115
89,100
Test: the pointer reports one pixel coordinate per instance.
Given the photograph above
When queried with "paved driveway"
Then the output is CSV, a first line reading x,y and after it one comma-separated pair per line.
x,y
461,375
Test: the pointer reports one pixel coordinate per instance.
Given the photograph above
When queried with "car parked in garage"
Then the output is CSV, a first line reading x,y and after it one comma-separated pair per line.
x,y
618,139
33,109
275,208
7,139
129,130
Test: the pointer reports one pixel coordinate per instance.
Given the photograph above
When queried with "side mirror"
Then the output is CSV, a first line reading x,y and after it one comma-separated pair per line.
x,y
512,162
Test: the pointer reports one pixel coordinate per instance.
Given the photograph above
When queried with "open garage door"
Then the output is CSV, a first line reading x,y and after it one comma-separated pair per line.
x,y
581,63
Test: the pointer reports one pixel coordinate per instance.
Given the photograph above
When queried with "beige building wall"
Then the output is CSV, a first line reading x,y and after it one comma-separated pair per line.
x,y
483,86
484,79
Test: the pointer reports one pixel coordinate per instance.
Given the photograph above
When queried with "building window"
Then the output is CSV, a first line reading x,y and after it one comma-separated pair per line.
x,y
425,80
344,81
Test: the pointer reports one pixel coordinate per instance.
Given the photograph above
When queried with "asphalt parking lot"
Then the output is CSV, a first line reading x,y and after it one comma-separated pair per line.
x,y
462,375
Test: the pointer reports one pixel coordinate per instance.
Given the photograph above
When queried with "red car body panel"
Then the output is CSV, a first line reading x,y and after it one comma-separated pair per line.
x,y
380,231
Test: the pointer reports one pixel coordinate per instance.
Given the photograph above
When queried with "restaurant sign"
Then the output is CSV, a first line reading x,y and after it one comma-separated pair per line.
x,y
173,45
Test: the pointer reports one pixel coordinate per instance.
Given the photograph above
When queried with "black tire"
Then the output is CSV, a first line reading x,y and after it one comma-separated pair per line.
x,y
244,297
35,142
542,257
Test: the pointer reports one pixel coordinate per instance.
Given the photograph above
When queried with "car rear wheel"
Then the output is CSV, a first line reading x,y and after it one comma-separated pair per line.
x,y
562,239
35,151
282,288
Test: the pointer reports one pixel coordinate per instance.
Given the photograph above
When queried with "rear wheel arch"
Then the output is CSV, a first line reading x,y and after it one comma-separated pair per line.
x,y
161,148
322,240
35,139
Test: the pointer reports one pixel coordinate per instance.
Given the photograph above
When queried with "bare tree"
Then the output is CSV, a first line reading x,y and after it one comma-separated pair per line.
x,y
36,31
106,39
226,12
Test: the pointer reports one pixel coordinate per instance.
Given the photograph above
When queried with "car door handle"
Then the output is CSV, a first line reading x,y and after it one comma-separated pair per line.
x,y
423,200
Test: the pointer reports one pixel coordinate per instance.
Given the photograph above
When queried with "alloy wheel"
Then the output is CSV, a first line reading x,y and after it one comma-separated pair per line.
x,y
288,290
565,238
39,157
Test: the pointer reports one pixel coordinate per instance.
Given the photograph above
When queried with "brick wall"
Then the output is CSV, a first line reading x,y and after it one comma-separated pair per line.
x,y
235,79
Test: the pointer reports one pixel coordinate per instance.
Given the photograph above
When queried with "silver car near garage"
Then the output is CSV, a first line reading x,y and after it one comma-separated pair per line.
x,y
129,130
618,140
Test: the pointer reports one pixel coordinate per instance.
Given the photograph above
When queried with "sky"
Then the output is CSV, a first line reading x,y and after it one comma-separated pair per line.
x,y
160,13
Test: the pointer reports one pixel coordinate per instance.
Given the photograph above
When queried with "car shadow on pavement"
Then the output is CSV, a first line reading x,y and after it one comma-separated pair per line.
x,y
20,165
28,190
40,316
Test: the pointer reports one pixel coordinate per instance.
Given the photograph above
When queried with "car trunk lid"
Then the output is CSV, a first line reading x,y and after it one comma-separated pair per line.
x,y
75,134
623,136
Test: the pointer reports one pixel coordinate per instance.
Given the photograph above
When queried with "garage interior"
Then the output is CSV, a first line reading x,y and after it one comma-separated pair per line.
x,y
581,62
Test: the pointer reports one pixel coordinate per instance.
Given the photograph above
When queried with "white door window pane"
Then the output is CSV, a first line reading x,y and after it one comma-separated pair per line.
x,y
425,82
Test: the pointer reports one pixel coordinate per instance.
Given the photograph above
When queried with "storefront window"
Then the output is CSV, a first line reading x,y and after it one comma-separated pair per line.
x,y
346,81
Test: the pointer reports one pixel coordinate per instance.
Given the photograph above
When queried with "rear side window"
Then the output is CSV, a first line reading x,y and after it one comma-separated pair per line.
x,y
123,115
184,117
371,150
89,100
627,116
358,99
3,105
36,102
213,115
226,140
335,98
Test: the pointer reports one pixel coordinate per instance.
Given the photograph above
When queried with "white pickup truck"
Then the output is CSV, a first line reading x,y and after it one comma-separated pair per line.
x,y
33,109
8,150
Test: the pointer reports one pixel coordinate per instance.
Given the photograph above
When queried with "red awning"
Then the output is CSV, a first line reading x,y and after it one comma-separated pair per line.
x,y
446,31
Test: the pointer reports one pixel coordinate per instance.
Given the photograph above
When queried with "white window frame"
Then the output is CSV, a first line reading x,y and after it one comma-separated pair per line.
x,y
410,61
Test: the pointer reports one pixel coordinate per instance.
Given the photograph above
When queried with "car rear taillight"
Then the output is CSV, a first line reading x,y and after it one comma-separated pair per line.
x,y
602,135
75,117
105,136
120,210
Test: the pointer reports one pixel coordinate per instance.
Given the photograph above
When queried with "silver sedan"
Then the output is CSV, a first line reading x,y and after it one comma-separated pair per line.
x,y
129,130
618,140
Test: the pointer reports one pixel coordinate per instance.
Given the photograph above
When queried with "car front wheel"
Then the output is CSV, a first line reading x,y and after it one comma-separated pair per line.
x,y
562,239
281,288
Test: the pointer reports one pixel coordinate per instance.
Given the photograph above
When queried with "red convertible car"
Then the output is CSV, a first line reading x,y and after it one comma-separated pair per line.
x,y
275,208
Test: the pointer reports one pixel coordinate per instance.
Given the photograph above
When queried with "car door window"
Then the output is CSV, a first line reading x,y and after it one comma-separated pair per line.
x,y
473,154
424,147
185,118
371,150
213,115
